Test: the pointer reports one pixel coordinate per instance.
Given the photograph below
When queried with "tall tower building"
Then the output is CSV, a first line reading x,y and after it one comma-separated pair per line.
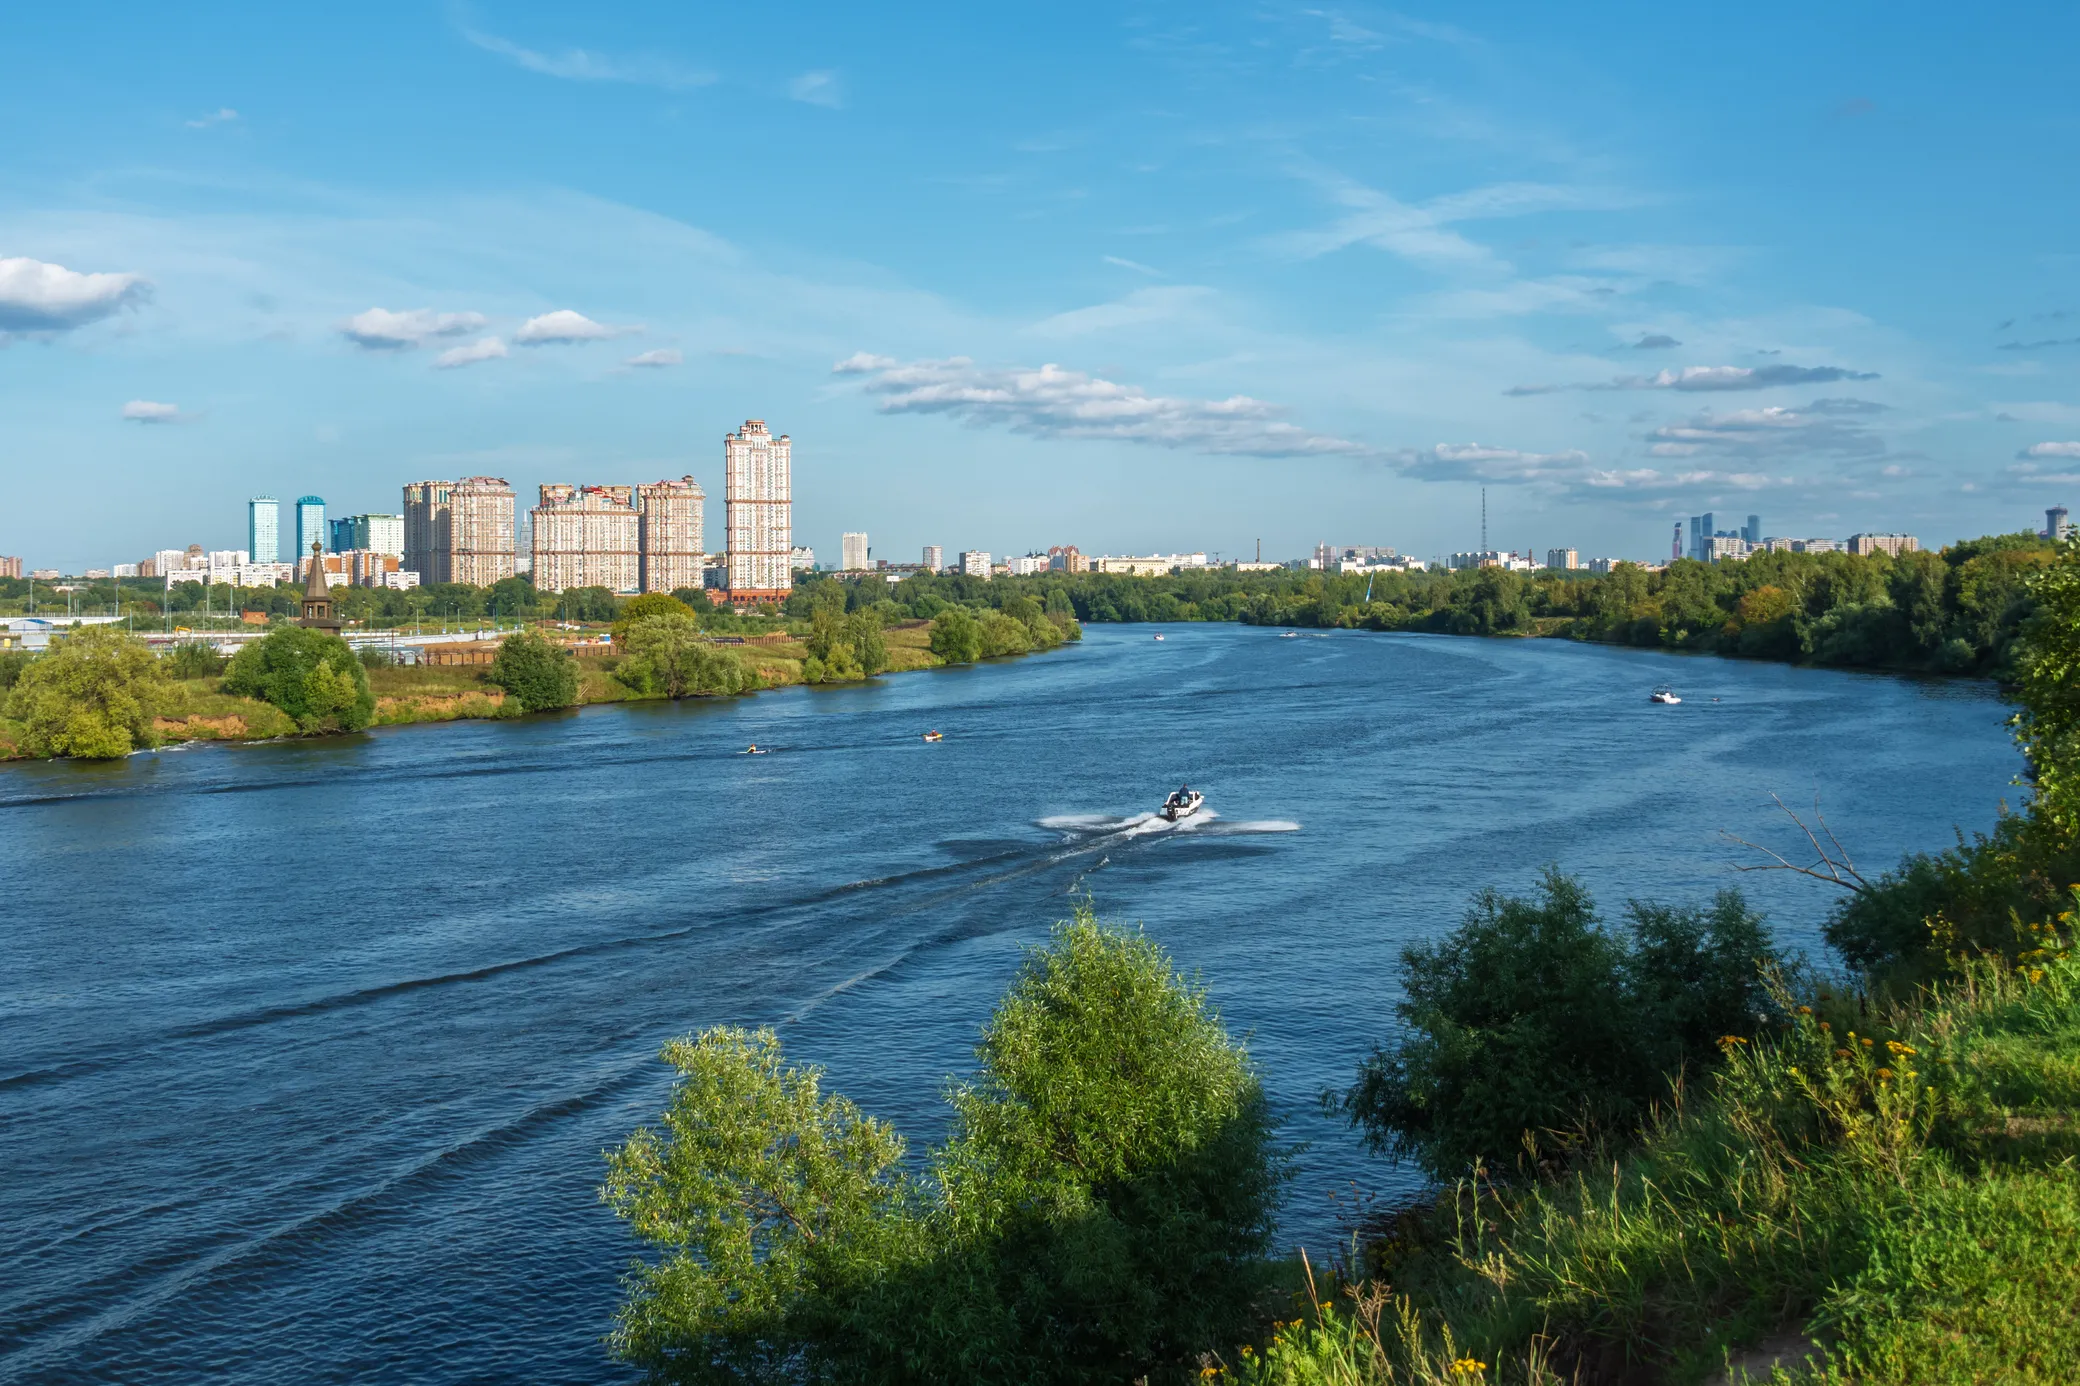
x,y
480,531
310,524
852,551
426,528
670,524
759,498
264,529
934,557
587,536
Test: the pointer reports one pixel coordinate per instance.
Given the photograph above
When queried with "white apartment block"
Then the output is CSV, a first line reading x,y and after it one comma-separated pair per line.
x,y
480,531
587,536
670,534
759,500
852,551
1026,565
975,563
934,557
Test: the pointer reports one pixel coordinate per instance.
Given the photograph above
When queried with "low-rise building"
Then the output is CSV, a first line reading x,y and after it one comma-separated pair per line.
x,y
800,559
1026,565
1722,548
1154,565
1893,544
1392,563
45,574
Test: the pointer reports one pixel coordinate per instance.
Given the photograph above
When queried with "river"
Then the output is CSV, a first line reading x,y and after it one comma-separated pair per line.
x,y
308,1051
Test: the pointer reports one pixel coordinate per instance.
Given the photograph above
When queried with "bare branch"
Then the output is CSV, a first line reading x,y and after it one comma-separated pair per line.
x,y
1831,864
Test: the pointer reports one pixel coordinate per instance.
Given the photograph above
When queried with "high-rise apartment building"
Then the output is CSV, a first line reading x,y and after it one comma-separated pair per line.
x,y
587,536
975,563
376,533
852,551
480,531
264,529
10,567
1564,559
934,557
2056,525
310,523
759,497
426,528
1893,544
670,522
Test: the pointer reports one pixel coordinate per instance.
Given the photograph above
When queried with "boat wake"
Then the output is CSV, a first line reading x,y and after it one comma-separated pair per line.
x,y
1205,823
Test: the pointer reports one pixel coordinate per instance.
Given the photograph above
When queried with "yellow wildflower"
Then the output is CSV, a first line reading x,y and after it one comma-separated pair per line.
x,y
1468,1365
1884,1075
1729,1041
1897,1048
2036,974
1865,1043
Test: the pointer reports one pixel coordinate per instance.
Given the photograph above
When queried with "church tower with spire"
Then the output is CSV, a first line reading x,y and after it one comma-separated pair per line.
x,y
317,596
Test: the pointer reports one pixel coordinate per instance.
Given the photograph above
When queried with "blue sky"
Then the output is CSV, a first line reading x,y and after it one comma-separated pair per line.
x,y
1136,277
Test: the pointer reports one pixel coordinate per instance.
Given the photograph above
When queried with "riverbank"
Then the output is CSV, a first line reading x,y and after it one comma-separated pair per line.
x,y
198,710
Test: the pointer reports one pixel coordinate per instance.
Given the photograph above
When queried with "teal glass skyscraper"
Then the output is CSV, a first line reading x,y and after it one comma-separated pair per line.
x,y
264,529
310,524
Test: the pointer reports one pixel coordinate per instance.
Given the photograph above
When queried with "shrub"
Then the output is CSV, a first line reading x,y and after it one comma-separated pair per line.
x,y
312,675
12,662
535,673
667,655
1100,1212
1531,1022
192,659
1003,635
649,604
91,696
956,636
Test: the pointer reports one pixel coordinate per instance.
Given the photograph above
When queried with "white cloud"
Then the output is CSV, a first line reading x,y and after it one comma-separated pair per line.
x,y
1570,471
222,116
565,326
663,356
2036,450
580,65
1050,402
1826,426
1156,304
380,329
39,297
484,349
1712,379
1423,233
818,89
1134,265
147,411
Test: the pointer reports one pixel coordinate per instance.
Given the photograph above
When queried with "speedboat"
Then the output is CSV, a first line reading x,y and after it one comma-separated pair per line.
x,y
1159,637
1289,635
1663,694
934,736
1182,803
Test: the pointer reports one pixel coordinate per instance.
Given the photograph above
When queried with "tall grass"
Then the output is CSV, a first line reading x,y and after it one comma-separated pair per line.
x,y
1901,1184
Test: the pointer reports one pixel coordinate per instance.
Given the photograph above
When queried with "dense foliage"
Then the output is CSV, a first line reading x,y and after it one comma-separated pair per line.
x,y
92,696
1100,1211
312,675
667,654
1532,1026
539,675
193,659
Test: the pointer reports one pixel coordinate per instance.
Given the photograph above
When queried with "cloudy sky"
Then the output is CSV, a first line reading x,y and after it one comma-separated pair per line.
x,y
1130,276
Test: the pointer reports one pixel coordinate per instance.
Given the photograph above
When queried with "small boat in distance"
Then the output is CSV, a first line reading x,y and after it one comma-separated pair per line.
x,y
1159,636
754,749
934,736
1289,635
1183,803
1663,694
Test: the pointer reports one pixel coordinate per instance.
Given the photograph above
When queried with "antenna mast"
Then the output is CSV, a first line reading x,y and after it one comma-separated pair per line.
x,y
1484,519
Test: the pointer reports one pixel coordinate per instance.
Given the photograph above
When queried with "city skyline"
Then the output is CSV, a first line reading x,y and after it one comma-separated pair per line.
x,y
1150,292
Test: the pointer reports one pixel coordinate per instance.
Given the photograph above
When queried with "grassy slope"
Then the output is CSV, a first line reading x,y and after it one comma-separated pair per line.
x,y
1915,1211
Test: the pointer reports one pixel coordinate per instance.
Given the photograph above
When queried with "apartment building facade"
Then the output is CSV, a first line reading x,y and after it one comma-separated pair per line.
x,y
671,524
587,536
759,524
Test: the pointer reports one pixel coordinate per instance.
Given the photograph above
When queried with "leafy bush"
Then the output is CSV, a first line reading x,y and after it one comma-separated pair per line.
x,y
192,659
91,696
842,647
956,636
1100,1212
666,654
312,675
535,673
376,657
649,604
12,662
1531,1022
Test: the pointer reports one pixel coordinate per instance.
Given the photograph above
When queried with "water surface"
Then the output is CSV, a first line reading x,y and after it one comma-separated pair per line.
x,y
308,1051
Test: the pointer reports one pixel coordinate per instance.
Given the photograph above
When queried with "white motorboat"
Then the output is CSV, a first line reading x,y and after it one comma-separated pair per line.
x,y
1663,694
1183,803
1159,637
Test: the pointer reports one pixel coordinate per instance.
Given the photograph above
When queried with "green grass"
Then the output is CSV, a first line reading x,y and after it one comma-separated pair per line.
x,y
1908,1198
